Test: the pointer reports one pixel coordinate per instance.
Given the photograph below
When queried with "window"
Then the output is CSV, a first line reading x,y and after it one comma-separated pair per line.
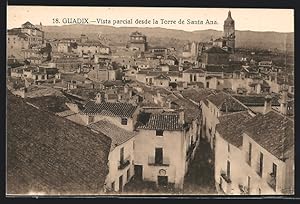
x,y
128,174
249,184
207,84
249,153
228,169
124,121
228,147
195,78
122,154
261,159
274,170
259,191
159,132
158,155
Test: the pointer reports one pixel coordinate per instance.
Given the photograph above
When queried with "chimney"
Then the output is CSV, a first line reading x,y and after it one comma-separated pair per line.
x,y
181,116
268,104
283,102
98,98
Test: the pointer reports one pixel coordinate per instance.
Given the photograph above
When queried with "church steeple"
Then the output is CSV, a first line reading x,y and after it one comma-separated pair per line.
x,y
229,32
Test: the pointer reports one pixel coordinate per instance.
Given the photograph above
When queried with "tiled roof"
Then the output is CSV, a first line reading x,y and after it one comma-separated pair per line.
x,y
158,121
118,135
110,109
216,49
232,126
91,43
162,77
255,100
51,103
191,70
48,154
214,68
196,95
273,131
226,103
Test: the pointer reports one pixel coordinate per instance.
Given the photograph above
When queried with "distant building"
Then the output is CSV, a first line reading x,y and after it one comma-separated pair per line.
x,y
90,48
26,37
214,56
229,34
137,41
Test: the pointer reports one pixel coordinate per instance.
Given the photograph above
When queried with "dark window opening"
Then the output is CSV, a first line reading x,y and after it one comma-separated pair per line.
x,y
159,132
158,155
124,121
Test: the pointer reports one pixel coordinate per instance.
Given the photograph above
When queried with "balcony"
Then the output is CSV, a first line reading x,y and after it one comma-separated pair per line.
x,y
271,180
165,161
123,164
225,176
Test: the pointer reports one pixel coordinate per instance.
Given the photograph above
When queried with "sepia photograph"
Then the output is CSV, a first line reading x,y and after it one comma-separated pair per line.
x,y
138,101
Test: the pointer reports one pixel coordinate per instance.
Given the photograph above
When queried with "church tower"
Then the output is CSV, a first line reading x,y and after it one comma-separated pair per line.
x,y
229,33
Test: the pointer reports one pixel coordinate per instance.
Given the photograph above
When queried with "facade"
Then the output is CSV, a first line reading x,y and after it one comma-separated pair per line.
x,y
161,81
214,56
254,154
161,148
26,37
120,158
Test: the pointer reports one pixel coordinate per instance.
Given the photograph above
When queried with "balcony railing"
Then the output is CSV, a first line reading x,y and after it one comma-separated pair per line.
x,y
225,176
123,164
165,161
271,180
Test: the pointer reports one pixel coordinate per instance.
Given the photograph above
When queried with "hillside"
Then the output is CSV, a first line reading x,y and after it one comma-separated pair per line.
x,y
169,37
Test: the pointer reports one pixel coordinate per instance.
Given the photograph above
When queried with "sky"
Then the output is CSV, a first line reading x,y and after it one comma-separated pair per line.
x,y
278,20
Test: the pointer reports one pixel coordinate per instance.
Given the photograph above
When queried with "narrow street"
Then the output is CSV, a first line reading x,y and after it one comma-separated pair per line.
x,y
200,177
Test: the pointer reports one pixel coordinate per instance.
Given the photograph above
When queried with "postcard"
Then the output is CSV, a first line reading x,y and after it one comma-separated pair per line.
x,y
118,101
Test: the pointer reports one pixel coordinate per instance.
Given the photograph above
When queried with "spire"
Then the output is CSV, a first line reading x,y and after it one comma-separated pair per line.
x,y
229,14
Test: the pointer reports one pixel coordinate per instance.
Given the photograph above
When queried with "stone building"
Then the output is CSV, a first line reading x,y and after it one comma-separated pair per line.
x,y
229,33
137,41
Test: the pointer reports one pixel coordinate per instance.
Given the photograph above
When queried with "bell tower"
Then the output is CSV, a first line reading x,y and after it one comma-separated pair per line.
x,y
229,33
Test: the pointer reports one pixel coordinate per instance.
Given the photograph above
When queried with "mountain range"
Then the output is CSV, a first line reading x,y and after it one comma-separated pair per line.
x,y
110,35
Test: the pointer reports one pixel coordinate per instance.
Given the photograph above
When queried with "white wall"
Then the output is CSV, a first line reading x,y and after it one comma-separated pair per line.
x,y
113,164
174,149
